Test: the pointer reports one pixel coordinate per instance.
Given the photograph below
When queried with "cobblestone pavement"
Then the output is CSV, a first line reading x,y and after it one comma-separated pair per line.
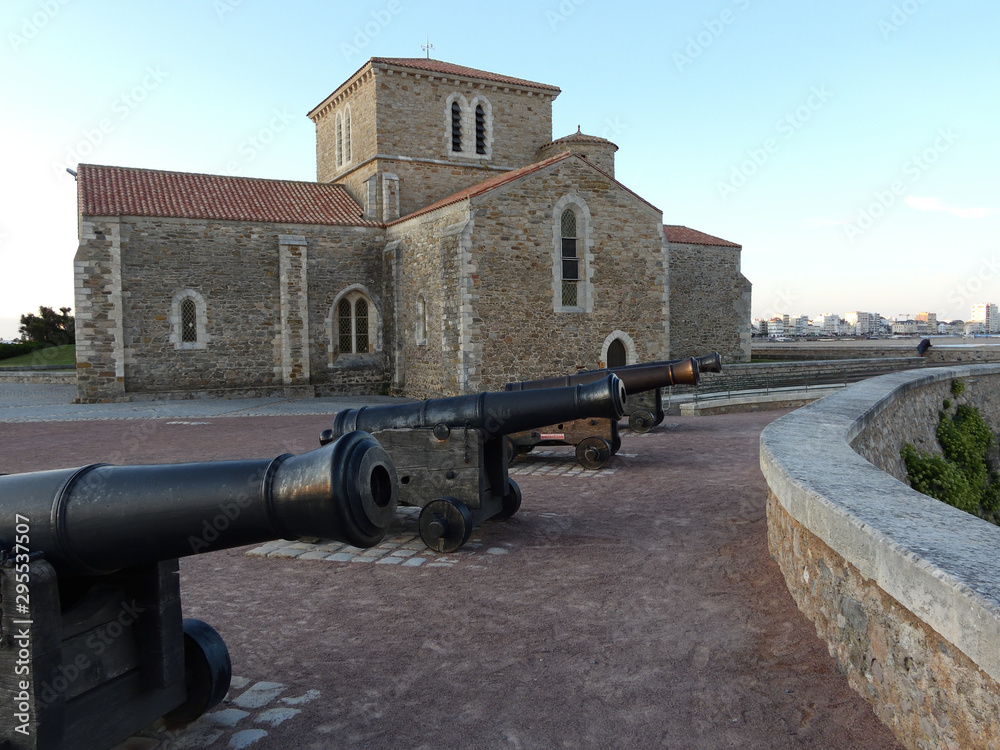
x,y
632,607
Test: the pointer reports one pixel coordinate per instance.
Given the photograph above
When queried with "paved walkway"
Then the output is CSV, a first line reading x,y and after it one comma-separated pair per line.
x,y
634,608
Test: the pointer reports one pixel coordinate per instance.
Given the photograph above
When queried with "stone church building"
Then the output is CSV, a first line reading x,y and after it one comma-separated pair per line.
x,y
448,245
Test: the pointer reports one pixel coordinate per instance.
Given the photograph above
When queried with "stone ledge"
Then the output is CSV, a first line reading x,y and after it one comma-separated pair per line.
x,y
939,563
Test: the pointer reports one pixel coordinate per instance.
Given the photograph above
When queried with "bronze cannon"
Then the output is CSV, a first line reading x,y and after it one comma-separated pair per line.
x,y
94,646
597,440
451,456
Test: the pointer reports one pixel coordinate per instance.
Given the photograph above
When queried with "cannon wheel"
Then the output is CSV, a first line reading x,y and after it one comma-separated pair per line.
x,y
593,452
445,524
207,671
641,421
511,501
616,443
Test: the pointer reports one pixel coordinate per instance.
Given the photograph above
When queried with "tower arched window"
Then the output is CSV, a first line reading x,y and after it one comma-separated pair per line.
x,y
570,260
480,130
339,140
347,135
456,127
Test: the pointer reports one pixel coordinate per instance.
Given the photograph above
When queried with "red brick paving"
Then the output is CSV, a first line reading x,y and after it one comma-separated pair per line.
x,y
634,610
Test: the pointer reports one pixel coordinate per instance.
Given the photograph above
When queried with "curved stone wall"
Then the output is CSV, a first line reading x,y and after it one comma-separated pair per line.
x,y
905,589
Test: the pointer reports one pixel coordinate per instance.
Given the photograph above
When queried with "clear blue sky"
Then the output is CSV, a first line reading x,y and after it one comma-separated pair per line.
x,y
852,148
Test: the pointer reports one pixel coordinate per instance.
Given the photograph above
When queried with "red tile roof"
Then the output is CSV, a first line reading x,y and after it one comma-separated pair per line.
x,y
685,236
438,66
126,191
579,137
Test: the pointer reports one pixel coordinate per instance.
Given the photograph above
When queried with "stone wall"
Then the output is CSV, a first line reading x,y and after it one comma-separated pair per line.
x,y
130,274
709,302
414,118
424,266
940,354
515,333
359,97
905,589
100,354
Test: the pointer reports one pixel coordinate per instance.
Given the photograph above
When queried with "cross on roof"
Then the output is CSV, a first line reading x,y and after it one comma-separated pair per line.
x,y
427,47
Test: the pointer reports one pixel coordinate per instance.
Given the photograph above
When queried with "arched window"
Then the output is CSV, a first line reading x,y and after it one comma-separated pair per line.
x,y
480,130
188,320
353,323
421,326
456,127
616,354
339,140
570,260
347,135
572,256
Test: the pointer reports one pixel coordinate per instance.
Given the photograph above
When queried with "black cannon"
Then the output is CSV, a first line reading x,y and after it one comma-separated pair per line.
x,y
93,645
644,405
450,453
596,440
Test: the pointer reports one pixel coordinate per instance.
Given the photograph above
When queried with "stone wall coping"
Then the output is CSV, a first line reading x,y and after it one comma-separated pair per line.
x,y
935,560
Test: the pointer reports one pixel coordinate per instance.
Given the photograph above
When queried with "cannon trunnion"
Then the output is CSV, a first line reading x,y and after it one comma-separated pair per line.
x,y
93,646
451,454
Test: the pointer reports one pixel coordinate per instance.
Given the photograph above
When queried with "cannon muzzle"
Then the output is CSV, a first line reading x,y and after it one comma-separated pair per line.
x,y
635,378
100,518
706,363
496,414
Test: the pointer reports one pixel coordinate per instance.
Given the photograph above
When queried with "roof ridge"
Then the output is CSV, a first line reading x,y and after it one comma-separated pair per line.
x,y
210,174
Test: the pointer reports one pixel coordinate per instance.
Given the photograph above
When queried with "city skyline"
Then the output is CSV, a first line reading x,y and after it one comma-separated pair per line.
x,y
862,172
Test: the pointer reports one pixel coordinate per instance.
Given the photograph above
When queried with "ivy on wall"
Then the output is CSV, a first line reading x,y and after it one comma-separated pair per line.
x,y
964,475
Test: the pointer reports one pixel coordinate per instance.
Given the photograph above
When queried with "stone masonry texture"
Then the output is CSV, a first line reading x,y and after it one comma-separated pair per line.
x,y
481,269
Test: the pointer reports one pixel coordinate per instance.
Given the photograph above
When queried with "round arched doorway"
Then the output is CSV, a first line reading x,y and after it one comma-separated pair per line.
x,y
616,354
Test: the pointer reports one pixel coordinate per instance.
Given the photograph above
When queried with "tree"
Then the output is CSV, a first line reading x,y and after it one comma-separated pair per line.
x,y
49,327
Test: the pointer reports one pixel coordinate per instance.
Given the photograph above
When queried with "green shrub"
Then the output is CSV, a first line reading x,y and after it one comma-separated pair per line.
x,y
962,477
957,387
21,347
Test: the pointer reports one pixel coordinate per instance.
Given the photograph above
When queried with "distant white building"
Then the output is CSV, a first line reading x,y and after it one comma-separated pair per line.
x,y
829,324
987,314
864,323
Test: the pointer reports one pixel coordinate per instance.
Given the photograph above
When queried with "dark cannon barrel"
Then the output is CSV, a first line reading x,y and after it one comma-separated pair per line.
x,y
496,413
706,363
635,378
100,518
